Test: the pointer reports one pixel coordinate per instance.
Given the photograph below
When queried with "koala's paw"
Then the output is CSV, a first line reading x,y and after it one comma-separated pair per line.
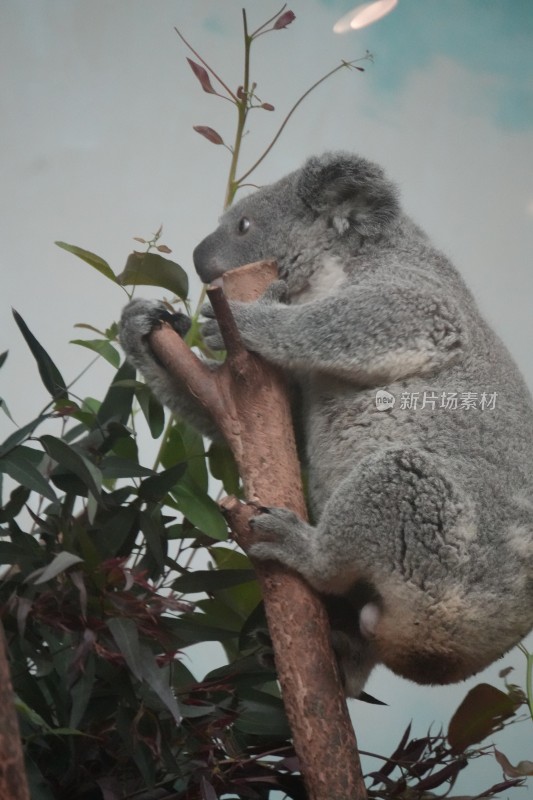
x,y
275,522
279,535
210,329
140,317
277,292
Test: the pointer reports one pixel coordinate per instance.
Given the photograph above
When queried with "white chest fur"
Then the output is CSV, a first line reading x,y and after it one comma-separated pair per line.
x,y
324,281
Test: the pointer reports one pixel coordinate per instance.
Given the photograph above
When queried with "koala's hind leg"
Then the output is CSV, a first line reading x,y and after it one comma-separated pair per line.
x,y
399,523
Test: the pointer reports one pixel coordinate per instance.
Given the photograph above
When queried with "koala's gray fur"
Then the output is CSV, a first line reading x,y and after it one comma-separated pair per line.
x,y
424,518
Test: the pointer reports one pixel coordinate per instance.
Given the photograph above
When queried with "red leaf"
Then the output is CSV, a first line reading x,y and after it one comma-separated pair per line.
x,y
209,134
241,94
482,712
284,20
267,106
163,248
202,76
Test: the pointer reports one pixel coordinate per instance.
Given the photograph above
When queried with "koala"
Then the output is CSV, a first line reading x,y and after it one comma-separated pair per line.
x,y
421,539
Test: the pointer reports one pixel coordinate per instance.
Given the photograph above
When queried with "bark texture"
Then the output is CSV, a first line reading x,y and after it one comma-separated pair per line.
x,y
13,785
248,401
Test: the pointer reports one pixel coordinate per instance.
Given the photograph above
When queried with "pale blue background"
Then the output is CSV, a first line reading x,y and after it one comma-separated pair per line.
x,y
97,110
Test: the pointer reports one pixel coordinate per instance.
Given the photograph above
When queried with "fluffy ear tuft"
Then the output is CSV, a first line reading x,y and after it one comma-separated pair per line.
x,y
354,192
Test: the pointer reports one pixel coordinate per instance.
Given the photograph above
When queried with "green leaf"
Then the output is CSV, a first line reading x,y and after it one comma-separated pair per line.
x,y
21,434
151,269
261,714
5,409
90,258
158,680
156,487
3,357
81,693
18,467
223,467
115,536
59,564
17,500
103,347
212,580
195,628
50,375
152,410
184,443
73,461
200,509
126,636
11,553
116,405
38,786
154,535
229,559
245,672
116,467
31,700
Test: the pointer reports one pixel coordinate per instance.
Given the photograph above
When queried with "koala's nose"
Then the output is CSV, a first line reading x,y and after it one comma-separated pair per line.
x,y
205,262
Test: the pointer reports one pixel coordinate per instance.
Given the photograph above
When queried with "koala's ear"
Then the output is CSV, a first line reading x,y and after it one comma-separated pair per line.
x,y
353,192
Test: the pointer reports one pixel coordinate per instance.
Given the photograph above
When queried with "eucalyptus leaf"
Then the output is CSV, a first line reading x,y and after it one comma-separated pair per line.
x,y
103,347
154,535
5,409
126,636
21,434
157,679
18,467
117,467
117,403
90,258
151,409
73,461
223,466
59,564
17,500
151,269
261,714
50,375
212,580
81,693
156,487
200,509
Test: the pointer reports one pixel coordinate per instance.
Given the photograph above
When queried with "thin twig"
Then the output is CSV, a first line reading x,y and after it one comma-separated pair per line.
x,y
206,65
291,112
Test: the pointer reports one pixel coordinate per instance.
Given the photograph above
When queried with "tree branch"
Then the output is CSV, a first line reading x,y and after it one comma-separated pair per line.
x,y
13,783
248,401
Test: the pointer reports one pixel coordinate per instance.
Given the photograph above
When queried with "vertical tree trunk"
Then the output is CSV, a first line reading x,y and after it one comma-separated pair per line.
x,y
249,403
13,784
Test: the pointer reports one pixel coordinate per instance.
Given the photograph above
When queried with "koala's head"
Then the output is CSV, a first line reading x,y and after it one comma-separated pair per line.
x,y
333,203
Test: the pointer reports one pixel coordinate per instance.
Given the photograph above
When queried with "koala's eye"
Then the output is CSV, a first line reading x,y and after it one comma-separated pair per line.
x,y
244,225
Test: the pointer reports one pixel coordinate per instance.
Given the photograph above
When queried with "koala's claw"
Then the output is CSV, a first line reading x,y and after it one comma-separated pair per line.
x,y
179,321
141,317
277,292
274,522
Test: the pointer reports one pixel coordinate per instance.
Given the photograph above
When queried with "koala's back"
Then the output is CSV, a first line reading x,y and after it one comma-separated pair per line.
x,y
430,500
476,415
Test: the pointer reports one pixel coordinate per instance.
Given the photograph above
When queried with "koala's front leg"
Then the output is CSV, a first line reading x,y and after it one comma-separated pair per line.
x,y
139,319
361,333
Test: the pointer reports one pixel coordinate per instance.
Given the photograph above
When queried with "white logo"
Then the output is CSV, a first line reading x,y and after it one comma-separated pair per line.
x,y
384,400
